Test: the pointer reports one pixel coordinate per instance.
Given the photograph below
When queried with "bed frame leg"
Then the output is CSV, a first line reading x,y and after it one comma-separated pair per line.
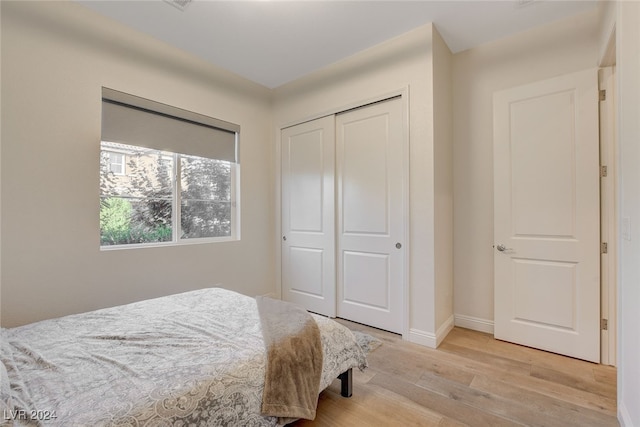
x,y
346,383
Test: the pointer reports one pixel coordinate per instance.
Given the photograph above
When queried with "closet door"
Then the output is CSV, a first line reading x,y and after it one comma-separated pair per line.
x,y
308,215
370,220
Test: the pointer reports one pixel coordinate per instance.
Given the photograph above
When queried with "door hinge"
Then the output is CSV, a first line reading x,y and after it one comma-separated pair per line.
x,y
604,248
603,95
604,324
603,171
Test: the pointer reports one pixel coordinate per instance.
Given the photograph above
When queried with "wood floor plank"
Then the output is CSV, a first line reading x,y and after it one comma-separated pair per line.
x,y
472,362
559,410
605,374
385,359
411,361
486,343
389,409
513,408
448,422
585,398
573,381
470,380
447,406
500,362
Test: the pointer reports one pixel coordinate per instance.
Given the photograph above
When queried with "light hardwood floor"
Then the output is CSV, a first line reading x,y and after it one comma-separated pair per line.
x,y
471,379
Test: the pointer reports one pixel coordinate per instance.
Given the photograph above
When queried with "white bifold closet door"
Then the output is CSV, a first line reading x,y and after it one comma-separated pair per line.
x,y
343,215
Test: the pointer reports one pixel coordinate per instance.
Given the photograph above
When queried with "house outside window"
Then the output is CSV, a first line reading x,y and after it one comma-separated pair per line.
x,y
182,177
116,162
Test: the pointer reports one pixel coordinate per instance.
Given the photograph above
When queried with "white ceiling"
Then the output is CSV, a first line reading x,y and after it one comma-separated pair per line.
x,y
275,42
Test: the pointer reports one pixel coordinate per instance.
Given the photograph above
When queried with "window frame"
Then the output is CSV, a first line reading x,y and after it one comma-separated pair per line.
x,y
111,95
123,164
177,207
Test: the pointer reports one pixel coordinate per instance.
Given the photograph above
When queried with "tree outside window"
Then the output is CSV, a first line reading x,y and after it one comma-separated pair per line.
x,y
148,206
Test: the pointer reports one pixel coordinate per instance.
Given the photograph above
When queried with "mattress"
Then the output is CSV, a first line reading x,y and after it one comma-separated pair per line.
x,y
196,358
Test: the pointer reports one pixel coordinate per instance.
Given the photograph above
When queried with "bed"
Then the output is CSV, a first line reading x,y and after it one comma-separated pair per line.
x,y
191,359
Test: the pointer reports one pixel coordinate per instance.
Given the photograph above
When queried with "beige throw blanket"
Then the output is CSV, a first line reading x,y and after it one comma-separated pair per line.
x,y
294,360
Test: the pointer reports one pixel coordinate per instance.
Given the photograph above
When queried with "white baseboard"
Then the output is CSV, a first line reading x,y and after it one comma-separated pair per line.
x,y
623,416
426,339
444,329
429,339
272,295
474,323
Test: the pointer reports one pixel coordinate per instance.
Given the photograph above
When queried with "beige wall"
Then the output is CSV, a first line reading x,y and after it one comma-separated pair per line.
x,y
560,48
403,62
56,56
606,33
628,67
443,175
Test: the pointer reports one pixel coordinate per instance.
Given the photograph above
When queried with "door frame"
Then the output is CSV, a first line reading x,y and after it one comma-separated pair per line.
x,y
403,93
610,230
608,216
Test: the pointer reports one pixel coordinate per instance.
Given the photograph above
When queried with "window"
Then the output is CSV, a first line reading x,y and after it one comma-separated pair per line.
x,y
116,162
181,180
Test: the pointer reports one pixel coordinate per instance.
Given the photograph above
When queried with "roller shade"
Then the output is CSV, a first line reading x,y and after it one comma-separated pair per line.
x,y
131,120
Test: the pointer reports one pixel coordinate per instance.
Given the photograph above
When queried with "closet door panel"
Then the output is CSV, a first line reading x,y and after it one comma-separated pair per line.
x,y
364,183
308,215
369,170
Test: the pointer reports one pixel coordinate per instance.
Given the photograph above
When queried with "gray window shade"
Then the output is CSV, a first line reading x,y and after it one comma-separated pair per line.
x,y
128,119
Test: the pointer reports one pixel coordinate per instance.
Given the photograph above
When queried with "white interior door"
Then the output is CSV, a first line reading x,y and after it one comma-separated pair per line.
x,y
546,213
370,221
308,215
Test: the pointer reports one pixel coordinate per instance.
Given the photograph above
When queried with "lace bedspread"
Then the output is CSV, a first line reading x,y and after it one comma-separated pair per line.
x,y
196,358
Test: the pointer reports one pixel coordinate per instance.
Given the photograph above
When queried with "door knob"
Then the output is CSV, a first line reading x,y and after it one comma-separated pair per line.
x,y
501,248
398,245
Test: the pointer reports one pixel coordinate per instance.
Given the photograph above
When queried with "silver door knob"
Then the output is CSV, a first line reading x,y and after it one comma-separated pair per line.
x,y
501,248
398,245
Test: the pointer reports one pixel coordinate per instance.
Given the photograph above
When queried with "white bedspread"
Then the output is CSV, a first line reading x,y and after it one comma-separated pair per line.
x,y
196,358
